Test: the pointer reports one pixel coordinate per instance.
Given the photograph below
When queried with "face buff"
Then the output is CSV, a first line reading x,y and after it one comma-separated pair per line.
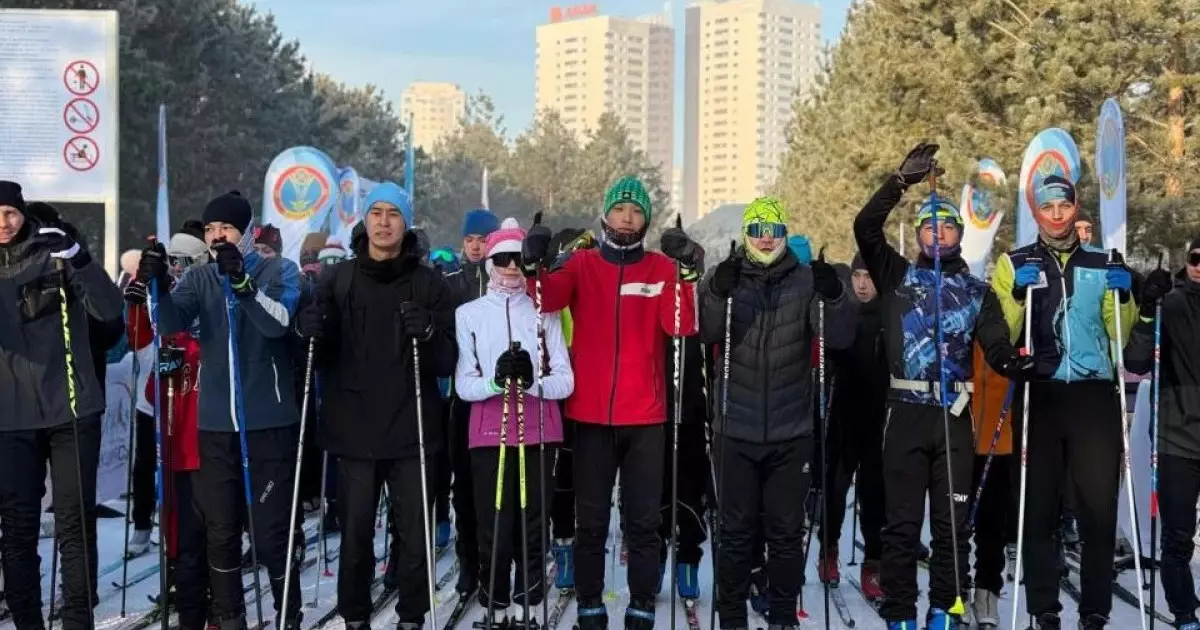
x,y
946,212
765,214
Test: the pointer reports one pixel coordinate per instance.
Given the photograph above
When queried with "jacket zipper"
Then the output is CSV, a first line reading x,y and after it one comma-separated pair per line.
x,y
612,393
275,371
1066,308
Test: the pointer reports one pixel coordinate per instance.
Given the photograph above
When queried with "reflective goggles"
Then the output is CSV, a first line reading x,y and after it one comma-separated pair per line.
x,y
761,230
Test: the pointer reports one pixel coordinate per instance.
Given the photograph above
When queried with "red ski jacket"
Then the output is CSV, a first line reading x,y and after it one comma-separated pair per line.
x,y
623,307
181,431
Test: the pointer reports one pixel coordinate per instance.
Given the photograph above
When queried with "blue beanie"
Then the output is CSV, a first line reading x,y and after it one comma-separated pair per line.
x,y
479,222
389,192
802,249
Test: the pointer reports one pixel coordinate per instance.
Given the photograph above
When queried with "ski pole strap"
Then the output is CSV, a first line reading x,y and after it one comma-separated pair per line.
x,y
965,389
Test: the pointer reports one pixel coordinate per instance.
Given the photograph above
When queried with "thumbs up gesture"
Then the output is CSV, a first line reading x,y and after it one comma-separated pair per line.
x,y
536,246
825,279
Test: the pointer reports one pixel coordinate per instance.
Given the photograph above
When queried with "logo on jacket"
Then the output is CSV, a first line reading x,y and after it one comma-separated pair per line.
x,y
300,191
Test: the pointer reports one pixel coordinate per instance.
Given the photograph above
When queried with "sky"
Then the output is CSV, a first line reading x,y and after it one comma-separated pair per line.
x,y
482,45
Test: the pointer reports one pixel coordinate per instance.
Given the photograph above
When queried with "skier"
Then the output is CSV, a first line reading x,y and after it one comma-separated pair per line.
x,y
693,472
1178,408
767,435
469,283
857,412
260,295
370,313
268,242
918,454
497,335
1075,424
624,297
179,364
1083,228
45,409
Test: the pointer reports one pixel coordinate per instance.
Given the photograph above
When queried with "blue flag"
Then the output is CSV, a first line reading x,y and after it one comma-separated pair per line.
x,y
409,159
163,212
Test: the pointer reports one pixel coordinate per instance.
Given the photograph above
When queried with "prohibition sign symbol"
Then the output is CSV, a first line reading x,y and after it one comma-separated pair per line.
x,y
81,78
81,154
81,115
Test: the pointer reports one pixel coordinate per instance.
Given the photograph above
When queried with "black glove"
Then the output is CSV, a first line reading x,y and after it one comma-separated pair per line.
x,y
1156,285
169,360
136,292
153,264
725,276
917,164
515,364
1018,366
675,243
63,246
229,261
418,323
536,247
825,279
310,321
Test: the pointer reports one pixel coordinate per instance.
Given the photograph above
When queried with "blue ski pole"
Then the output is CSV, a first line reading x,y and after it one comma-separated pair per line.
x,y
1154,450
158,457
987,463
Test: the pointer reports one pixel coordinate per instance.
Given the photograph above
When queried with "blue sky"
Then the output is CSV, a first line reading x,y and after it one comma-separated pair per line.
x,y
483,45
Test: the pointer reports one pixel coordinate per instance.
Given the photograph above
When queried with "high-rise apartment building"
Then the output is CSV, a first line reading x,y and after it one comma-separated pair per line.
x,y
588,64
746,63
437,110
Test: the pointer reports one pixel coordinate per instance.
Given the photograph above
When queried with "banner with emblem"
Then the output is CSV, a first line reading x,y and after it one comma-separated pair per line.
x,y
981,215
1110,171
349,206
1051,152
299,193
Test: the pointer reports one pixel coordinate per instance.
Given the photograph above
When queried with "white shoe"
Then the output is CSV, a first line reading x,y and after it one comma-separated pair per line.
x,y
139,543
987,608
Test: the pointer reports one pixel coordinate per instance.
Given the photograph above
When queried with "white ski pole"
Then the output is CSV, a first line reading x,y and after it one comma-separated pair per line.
x,y
428,542
291,554
1024,451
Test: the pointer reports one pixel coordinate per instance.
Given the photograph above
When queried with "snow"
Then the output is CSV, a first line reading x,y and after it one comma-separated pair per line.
x,y
111,537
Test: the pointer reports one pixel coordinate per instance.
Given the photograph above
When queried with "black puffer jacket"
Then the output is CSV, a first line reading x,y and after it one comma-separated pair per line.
x,y
469,282
774,323
861,371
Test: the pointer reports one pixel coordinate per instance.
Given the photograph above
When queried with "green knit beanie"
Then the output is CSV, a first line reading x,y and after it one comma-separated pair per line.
x,y
629,189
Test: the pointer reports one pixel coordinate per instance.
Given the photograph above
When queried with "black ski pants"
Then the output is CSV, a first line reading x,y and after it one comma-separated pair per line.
x,y
23,459
219,494
466,546
856,444
509,537
359,484
562,502
600,452
692,481
995,519
190,567
1179,489
914,467
1074,436
761,485
145,468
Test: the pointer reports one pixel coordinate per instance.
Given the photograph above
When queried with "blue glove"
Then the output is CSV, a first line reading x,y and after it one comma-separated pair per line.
x,y
1118,277
1026,276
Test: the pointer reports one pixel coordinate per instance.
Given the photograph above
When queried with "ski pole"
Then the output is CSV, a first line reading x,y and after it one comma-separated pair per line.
x,y
991,454
1137,553
943,396
1154,454
131,313
72,399
824,445
53,576
158,455
717,489
542,476
430,570
678,400
499,502
1025,422
291,552
854,526
237,413
324,543
522,497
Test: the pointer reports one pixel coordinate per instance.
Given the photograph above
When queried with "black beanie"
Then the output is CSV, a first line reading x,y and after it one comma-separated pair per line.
x,y
1195,244
231,208
10,195
858,262
193,227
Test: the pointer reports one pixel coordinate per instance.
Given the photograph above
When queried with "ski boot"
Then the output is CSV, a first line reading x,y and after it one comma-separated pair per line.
x,y
987,609
564,560
1010,567
687,581
293,623
759,600
592,615
139,543
869,579
499,620
907,624
443,535
1093,622
938,619
1068,531
1047,621
640,614
358,625
519,622
827,567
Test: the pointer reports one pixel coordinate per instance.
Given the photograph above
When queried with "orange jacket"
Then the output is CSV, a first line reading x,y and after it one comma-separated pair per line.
x,y
990,391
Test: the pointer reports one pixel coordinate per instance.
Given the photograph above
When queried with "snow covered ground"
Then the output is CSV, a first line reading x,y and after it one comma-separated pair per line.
x,y
111,533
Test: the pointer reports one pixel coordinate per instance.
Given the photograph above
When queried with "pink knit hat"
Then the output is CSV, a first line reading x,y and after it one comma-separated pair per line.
x,y
507,239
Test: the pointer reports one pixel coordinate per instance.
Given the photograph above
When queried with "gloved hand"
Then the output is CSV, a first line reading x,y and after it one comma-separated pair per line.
x,y
229,260
136,292
169,360
1026,276
1018,366
418,322
310,322
917,164
1157,285
63,247
676,244
516,364
825,279
536,247
725,276
1117,277
153,264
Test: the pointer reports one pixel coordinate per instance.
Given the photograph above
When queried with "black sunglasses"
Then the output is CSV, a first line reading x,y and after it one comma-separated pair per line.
x,y
505,259
1193,259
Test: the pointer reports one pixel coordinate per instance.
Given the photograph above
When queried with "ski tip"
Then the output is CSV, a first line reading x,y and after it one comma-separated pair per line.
x,y
801,614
